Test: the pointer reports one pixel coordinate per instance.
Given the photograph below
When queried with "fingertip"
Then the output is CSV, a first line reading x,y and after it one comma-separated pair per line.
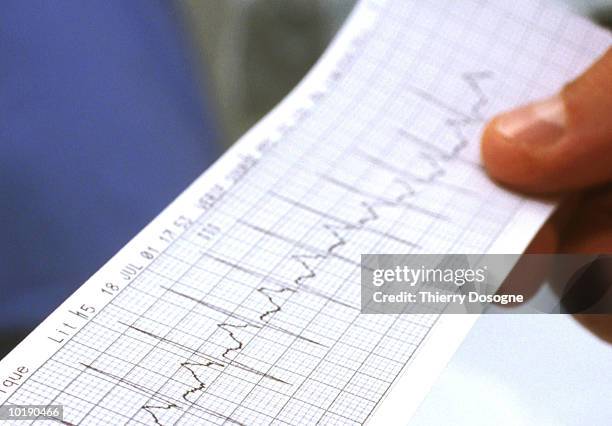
x,y
504,160
490,148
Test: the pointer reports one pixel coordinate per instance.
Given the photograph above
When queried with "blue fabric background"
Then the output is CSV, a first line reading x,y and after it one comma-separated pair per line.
x,y
101,125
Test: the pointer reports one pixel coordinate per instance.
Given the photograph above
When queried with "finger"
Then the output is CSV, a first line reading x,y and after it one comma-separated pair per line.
x,y
546,240
591,233
527,276
590,229
559,144
530,272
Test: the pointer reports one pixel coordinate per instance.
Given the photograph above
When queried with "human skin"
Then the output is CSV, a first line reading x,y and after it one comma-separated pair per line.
x,y
563,145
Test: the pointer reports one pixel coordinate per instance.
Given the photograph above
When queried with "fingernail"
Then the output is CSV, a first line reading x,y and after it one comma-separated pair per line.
x,y
541,122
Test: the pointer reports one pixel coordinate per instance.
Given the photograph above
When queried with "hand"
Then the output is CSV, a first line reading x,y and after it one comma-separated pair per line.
x,y
563,144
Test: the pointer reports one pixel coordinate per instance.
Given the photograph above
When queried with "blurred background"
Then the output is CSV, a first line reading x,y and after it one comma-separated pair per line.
x,y
255,51
108,110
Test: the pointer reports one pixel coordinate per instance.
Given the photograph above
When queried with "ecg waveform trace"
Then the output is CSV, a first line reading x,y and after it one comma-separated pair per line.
x,y
309,260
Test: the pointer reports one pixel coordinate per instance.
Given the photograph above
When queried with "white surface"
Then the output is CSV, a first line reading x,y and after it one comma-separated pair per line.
x,y
524,370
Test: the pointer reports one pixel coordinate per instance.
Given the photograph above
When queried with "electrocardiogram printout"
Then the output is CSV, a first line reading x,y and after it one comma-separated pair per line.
x,y
239,304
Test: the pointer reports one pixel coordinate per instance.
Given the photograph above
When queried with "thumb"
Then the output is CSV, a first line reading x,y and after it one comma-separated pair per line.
x,y
558,144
